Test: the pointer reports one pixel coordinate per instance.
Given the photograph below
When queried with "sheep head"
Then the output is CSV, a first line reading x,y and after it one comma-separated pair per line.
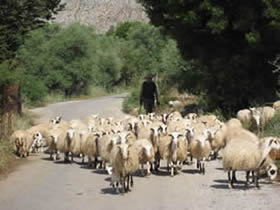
x,y
164,118
148,150
163,129
123,149
151,116
174,140
123,136
56,120
70,133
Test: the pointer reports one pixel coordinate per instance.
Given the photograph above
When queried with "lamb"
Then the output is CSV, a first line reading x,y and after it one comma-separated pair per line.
x,y
246,155
173,149
125,162
146,154
200,148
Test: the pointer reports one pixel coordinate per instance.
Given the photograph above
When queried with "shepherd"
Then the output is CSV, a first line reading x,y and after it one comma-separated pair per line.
x,y
149,94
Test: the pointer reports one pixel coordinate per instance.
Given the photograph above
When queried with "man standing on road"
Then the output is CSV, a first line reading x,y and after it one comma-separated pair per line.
x,y
149,94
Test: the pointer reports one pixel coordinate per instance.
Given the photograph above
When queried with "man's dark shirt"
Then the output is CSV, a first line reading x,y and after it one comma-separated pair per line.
x,y
149,90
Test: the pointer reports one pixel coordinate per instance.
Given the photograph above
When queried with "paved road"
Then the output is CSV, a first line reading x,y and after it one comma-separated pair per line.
x,y
41,184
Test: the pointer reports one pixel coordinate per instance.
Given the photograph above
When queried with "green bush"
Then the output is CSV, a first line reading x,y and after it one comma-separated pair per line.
x,y
273,127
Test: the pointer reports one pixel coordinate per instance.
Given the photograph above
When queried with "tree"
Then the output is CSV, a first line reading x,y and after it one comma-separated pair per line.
x,y
17,17
232,41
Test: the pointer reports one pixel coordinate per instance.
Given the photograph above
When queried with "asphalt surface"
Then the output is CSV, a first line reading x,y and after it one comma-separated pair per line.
x,y
41,184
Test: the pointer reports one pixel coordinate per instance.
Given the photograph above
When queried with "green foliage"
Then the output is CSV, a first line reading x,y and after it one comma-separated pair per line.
x,y
232,42
131,102
273,127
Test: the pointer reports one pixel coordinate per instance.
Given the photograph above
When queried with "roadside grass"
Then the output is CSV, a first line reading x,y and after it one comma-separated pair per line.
x,y
8,159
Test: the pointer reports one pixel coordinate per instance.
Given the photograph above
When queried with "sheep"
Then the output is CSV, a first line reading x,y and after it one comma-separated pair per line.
x,y
191,116
51,141
246,155
164,118
125,162
89,148
200,148
18,142
105,145
77,139
244,115
208,120
56,120
262,115
230,130
144,131
174,116
172,148
276,105
146,154
154,139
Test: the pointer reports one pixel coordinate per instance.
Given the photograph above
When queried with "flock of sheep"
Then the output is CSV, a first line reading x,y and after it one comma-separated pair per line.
x,y
125,146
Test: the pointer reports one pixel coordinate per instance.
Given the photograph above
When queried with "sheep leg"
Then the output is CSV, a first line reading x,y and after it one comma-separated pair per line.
x,y
126,182
122,182
172,168
149,165
230,181
203,168
234,176
95,163
257,180
253,177
89,162
142,170
131,181
247,179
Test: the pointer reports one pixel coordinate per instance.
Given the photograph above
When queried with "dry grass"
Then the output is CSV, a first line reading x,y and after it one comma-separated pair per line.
x,y
8,160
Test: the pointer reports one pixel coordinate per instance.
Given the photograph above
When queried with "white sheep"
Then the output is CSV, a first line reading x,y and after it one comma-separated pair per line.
x,y
146,154
173,148
200,149
246,155
89,148
125,162
105,145
244,115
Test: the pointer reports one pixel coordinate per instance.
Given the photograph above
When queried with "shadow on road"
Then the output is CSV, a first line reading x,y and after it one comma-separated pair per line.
x,y
220,169
100,171
109,190
190,171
